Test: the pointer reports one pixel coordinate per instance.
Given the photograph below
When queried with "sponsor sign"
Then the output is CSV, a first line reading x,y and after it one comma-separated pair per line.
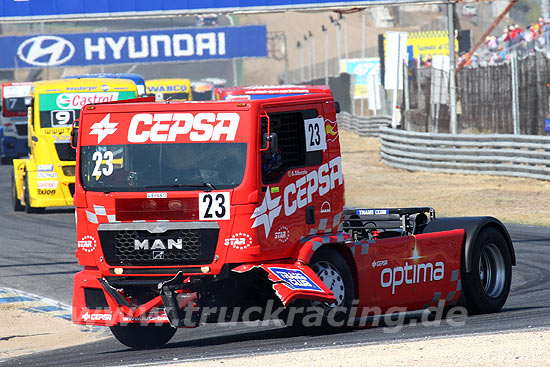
x,y
163,127
362,69
239,241
372,212
47,184
282,234
157,195
298,194
45,167
76,100
295,279
87,243
167,45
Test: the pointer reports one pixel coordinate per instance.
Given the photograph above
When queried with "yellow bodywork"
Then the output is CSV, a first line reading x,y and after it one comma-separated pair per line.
x,y
175,89
47,177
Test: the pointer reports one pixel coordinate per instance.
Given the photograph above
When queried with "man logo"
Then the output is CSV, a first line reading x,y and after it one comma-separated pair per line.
x,y
45,51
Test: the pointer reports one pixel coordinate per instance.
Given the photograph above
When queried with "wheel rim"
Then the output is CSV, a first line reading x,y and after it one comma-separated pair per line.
x,y
332,278
492,271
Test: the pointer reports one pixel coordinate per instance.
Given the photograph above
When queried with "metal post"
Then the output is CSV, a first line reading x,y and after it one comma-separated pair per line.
x,y
338,50
346,50
406,96
325,31
313,56
363,81
452,67
285,52
302,65
515,93
544,9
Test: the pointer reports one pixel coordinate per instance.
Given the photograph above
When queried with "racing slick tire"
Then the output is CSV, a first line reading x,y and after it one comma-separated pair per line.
x,y
15,202
28,207
334,271
487,286
140,336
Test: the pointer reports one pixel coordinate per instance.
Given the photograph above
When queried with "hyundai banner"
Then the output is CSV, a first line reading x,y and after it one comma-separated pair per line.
x,y
169,45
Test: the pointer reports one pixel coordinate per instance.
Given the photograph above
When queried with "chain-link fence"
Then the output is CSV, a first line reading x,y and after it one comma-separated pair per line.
x,y
488,97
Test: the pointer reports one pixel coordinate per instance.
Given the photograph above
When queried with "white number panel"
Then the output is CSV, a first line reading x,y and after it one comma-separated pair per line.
x,y
214,206
316,138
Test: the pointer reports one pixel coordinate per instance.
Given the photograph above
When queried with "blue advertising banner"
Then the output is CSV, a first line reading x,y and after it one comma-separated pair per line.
x,y
167,45
43,9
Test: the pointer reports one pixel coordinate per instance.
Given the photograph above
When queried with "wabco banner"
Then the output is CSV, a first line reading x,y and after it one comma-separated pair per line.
x,y
41,9
185,44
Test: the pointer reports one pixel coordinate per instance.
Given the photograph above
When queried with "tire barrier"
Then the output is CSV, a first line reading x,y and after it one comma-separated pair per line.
x,y
363,126
493,154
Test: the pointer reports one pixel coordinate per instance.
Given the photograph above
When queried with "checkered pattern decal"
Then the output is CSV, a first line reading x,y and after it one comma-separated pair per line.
x,y
99,215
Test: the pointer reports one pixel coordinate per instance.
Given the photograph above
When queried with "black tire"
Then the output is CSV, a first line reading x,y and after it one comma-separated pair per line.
x,y
140,336
28,207
334,271
487,285
15,202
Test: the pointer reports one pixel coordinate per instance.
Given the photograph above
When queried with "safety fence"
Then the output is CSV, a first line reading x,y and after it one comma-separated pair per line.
x,y
491,154
363,126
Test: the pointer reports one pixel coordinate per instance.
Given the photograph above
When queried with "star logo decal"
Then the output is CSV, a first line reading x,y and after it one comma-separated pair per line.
x,y
266,213
103,128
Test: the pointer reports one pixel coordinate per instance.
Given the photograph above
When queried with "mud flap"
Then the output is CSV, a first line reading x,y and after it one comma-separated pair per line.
x,y
293,281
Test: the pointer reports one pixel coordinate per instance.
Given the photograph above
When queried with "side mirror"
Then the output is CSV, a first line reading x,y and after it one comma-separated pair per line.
x,y
74,134
270,142
337,106
273,143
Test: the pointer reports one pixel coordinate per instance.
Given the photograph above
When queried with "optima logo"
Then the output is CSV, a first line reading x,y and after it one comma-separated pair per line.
x,y
411,274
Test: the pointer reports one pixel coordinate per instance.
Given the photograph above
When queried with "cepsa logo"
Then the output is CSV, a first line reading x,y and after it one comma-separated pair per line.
x,y
163,127
73,101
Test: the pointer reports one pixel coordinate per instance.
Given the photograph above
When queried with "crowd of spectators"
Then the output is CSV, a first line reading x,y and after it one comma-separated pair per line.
x,y
513,39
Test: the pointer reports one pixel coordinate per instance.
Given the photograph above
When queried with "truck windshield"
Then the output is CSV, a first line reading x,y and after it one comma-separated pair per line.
x,y
15,104
146,167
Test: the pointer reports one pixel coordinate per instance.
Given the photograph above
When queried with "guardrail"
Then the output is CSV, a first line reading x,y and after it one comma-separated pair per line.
x,y
363,126
494,154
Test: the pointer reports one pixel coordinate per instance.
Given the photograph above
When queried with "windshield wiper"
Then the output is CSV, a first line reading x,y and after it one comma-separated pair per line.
x,y
206,185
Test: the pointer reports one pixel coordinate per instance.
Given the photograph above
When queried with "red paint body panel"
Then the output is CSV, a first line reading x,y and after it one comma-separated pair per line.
x,y
411,271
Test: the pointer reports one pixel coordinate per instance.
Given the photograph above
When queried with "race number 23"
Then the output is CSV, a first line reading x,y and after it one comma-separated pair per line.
x,y
214,206
315,134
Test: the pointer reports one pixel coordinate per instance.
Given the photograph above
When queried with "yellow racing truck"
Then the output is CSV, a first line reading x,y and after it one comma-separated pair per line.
x,y
173,89
46,177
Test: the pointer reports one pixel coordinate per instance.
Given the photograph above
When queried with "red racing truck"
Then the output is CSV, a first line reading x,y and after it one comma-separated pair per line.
x,y
193,212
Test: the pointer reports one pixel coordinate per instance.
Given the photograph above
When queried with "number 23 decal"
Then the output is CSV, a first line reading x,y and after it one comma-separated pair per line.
x,y
315,134
214,206
103,158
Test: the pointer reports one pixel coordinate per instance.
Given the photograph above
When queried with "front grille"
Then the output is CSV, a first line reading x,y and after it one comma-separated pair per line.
x,y
21,129
71,189
65,152
159,249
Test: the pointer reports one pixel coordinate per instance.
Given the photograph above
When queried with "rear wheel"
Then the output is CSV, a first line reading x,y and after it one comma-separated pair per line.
x,y
333,270
140,336
15,201
487,285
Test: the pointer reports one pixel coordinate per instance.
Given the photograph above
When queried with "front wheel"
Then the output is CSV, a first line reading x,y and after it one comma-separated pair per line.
x,y
15,202
140,336
28,207
487,285
333,270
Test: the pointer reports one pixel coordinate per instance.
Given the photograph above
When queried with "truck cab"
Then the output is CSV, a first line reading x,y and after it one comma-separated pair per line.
x,y
46,177
13,126
171,89
267,91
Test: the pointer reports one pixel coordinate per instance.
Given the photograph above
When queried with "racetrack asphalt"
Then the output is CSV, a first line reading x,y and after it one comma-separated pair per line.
x,y
37,253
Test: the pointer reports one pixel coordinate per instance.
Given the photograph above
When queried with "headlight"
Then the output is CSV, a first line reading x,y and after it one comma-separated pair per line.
x,y
68,170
